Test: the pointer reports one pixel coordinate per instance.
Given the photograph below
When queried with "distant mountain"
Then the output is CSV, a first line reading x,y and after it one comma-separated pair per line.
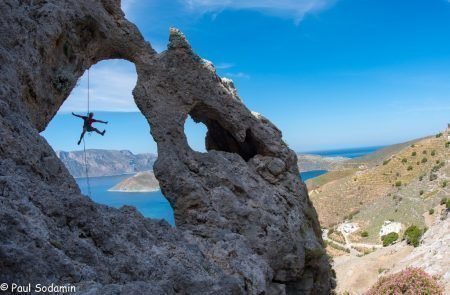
x,y
307,162
140,182
106,162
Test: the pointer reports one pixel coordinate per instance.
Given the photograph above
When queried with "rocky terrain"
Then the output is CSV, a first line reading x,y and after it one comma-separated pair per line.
x,y
105,162
399,183
397,187
245,224
138,183
356,275
307,162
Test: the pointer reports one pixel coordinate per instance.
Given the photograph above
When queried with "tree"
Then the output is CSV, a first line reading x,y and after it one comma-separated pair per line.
x,y
413,235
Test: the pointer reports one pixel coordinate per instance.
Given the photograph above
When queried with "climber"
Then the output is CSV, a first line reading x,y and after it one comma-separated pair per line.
x,y
87,126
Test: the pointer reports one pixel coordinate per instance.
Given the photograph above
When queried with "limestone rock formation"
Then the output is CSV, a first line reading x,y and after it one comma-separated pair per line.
x,y
245,224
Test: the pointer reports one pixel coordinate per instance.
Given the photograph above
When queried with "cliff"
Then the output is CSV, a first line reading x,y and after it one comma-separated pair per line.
x,y
106,162
245,224
141,182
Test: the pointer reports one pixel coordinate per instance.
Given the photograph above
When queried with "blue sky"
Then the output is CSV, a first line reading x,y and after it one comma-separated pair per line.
x,y
329,74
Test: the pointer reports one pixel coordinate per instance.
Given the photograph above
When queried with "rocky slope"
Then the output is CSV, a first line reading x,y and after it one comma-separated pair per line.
x,y
138,183
106,162
404,184
307,162
433,254
356,275
399,183
245,224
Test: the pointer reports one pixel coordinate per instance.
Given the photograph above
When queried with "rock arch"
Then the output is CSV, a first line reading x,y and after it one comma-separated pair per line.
x,y
245,224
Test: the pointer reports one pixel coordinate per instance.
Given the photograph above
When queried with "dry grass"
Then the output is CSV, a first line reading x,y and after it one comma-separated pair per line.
x,y
371,191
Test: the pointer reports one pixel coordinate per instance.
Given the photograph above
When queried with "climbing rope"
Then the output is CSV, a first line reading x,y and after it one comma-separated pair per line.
x,y
89,87
87,170
84,143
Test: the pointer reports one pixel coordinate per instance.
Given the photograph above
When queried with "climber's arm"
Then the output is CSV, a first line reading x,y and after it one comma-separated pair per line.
x,y
82,117
100,121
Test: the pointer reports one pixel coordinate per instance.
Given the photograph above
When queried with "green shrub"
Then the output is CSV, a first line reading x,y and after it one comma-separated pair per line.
x,y
338,247
431,211
424,152
444,184
364,234
412,235
386,162
438,135
437,167
421,192
398,183
447,144
404,160
414,154
410,168
424,160
447,204
433,176
389,239
420,177
433,153
408,281
443,201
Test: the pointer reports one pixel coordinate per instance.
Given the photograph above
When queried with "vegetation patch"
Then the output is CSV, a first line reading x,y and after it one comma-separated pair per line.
x,y
389,239
408,281
413,235
338,247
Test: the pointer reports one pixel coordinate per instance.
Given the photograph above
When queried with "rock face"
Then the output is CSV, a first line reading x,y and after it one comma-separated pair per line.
x,y
245,224
433,253
106,162
141,182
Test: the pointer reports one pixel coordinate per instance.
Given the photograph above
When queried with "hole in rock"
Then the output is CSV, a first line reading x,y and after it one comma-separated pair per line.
x,y
195,134
120,163
221,139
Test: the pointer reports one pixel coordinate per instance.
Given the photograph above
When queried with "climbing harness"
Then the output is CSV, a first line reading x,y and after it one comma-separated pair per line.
x,y
84,143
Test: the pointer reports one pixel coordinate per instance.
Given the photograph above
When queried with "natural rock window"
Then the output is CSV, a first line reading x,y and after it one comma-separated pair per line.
x,y
195,134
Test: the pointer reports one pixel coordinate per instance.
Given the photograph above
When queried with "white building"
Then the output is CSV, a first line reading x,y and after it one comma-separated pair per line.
x,y
348,228
390,227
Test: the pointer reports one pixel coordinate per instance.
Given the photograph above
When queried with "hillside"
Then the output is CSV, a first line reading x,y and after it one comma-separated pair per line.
x,y
356,275
401,185
308,162
397,183
140,182
106,162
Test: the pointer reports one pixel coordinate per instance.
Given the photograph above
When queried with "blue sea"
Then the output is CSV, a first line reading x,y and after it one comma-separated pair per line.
x,y
347,153
155,205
